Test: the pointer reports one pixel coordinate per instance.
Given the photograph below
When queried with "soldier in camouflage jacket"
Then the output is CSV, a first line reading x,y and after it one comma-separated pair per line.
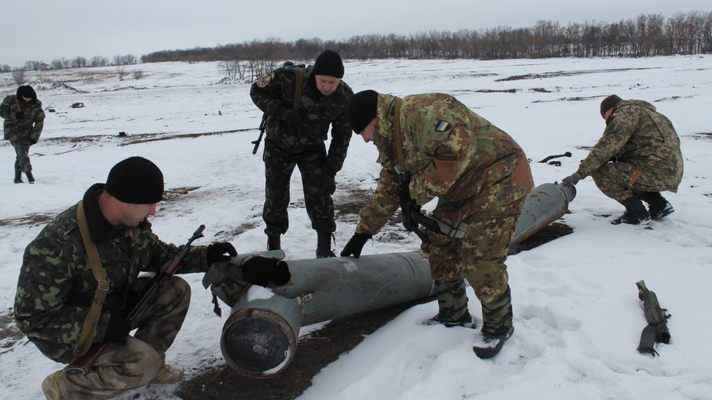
x,y
295,138
480,177
56,286
23,124
637,157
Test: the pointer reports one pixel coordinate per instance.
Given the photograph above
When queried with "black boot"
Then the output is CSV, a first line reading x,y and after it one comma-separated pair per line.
x,y
30,178
323,245
18,176
658,207
273,242
496,326
452,305
634,214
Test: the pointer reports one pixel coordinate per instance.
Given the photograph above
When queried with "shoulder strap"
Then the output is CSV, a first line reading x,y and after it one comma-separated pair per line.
x,y
88,331
298,83
398,136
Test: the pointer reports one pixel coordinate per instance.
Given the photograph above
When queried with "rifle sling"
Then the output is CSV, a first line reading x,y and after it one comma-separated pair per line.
x,y
88,331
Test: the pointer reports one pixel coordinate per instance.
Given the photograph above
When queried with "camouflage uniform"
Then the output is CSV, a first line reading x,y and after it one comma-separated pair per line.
x,y
56,287
22,127
480,176
285,148
639,152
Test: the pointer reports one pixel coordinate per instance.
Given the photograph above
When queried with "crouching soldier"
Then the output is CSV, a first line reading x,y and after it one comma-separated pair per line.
x,y
638,157
432,145
106,238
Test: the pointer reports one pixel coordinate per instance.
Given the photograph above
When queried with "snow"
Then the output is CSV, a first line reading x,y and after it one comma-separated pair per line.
x,y
577,316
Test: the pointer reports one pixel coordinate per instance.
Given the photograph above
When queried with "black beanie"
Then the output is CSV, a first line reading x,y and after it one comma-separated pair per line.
x,y
26,91
135,180
329,63
362,109
609,102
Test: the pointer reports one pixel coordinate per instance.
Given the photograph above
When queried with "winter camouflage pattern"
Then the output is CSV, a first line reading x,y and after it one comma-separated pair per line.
x,y
278,171
56,284
24,131
119,368
638,152
276,91
479,174
285,149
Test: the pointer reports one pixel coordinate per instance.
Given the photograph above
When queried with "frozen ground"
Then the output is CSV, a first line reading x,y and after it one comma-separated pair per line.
x,y
577,315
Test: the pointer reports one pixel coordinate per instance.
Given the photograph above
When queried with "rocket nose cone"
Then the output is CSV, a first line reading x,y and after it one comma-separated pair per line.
x,y
256,347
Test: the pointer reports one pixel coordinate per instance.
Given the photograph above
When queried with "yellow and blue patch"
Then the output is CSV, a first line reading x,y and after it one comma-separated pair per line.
x,y
442,126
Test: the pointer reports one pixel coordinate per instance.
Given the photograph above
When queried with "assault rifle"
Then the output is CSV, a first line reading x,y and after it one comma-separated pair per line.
x,y
657,330
82,364
413,217
262,127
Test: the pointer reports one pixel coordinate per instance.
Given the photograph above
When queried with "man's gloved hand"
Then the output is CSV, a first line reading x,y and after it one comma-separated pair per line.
x,y
216,252
572,179
262,271
407,211
355,245
329,183
291,117
118,328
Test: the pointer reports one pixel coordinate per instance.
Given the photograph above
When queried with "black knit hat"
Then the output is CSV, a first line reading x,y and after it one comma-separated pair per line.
x,y
362,109
135,180
609,102
26,91
329,63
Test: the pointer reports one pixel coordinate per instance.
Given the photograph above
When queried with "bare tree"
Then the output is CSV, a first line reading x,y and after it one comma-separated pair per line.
x,y
18,76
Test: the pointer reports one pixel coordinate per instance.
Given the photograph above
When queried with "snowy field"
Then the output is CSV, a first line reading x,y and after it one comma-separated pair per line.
x,y
577,316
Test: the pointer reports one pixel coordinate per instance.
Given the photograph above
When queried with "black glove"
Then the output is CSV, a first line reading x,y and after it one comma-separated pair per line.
x,y
118,328
216,252
407,210
18,115
329,184
262,271
355,245
572,179
291,117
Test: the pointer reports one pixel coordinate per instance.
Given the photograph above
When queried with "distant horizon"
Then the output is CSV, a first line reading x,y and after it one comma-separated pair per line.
x,y
81,29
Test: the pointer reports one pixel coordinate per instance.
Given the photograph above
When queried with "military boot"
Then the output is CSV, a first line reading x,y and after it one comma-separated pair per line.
x,y
452,305
496,326
658,207
634,214
273,242
30,178
18,176
323,245
50,386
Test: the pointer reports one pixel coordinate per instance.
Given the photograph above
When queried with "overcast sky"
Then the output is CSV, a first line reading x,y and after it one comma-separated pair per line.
x,y
48,29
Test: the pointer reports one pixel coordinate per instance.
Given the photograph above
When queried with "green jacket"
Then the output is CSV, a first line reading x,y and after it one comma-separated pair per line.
x,y
637,134
23,121
274,92
451,153
56,284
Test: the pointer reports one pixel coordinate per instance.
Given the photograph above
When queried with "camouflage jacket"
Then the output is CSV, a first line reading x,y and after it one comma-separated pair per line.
x,y
637,134
56,284
451,152
23,122
275,91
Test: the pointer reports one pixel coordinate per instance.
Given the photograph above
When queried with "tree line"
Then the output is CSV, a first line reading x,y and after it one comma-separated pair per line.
x,y
645,35
77,62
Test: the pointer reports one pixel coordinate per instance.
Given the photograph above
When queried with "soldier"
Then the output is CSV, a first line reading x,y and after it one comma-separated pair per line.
x,y
23,124
637,157
56,303
299,105
480,176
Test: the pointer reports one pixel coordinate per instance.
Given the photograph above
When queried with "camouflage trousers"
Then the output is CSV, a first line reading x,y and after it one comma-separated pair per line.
x,y
621,181
279,166
122,367
491,216
22,155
